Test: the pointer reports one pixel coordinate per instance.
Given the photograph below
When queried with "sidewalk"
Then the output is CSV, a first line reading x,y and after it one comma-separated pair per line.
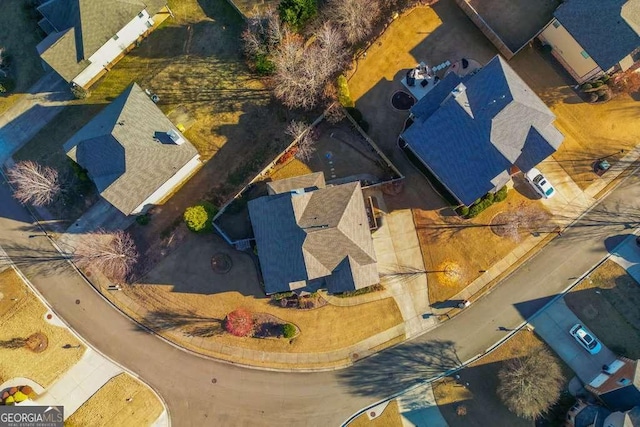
x,y
418,408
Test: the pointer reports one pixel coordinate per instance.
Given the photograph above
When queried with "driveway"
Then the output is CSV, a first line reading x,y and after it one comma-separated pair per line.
x,y
553,326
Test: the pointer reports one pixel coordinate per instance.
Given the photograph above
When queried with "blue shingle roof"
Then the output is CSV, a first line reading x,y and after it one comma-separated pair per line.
x,y
470,142
599,28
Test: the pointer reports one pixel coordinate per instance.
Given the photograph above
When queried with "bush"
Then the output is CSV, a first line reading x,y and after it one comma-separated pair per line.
x,y
80,172
597,83
344,97
357,116
500,195
479,207
296,13
605,97
490,197
280,295
198,218
264,66
239,323
601,92
593,97
463,211
143,219
546,48
373,288
288,330
7,85
79,93
587,86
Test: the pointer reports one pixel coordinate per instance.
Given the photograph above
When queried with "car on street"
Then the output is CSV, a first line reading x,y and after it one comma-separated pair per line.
x,y
585,338
540,183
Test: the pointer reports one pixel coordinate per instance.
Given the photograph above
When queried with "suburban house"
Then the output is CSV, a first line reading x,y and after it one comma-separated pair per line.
x,y
589,37
470,134
132,152
310,236
86,37
618,386
585,415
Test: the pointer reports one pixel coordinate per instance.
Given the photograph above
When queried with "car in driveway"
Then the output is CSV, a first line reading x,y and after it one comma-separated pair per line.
x,y
540,183
585,338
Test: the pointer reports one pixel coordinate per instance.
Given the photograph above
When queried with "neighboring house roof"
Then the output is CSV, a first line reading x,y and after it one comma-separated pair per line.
x,y
632,417
607,31
127,151
78,28
627,396
317,237
310,181
591,416
470,131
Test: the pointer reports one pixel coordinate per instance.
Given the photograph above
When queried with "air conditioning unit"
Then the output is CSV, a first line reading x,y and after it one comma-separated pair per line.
x,y
175,137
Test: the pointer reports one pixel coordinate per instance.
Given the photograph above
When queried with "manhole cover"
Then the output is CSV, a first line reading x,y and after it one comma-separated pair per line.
x,y
402,101
221,263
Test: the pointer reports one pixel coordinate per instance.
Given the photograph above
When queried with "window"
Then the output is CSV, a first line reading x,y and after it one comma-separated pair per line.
x,y
624,381
555,23
116,37
140,15
584,54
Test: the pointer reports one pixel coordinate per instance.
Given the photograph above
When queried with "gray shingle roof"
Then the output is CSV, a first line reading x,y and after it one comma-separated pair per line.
x,y
470,142
120,150
310,181
318,234
81,27
605,30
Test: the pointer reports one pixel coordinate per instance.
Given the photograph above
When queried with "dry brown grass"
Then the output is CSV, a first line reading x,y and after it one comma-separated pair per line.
x,y
456,250
479,398
109,406
23,317
591,131
289,169
613,314
19,35
389,418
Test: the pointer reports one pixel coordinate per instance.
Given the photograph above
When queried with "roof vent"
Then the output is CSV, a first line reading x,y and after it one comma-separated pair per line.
x,y
175,137
298,191
458,90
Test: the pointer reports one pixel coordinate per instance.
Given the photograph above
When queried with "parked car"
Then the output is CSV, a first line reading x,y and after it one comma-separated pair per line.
x,y
585,339
540,183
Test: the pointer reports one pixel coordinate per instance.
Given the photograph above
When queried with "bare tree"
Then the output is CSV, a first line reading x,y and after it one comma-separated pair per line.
x,y
530,385
513,224
334,113
355,17
34,184
302,70
306,137
625,82
114,254
262,34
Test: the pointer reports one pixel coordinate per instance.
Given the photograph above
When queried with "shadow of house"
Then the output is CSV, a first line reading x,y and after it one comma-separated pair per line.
x,y
131,167
472,133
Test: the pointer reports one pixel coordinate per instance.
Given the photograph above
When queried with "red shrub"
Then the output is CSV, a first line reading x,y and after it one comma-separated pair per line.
x,y
239,323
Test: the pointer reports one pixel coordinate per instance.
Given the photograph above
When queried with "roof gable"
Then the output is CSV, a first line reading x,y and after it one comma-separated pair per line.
x,y
607,32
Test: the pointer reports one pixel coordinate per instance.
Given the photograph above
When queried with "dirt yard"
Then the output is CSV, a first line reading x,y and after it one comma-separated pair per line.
x,y
389,418
19,35
456,251
591,131
608,302
515,22
22,314
479,399
109,406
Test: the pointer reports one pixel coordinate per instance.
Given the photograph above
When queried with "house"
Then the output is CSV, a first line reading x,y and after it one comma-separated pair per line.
x,y
132,152
584,415
310,236
472,133
85,37
618,386
589,37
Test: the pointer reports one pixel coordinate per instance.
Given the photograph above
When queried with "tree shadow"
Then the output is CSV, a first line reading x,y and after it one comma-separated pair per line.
x,y
44,261
191,323
399,368
13,343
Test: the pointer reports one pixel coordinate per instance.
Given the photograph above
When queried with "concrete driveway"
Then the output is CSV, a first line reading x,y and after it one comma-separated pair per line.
x,y
553,326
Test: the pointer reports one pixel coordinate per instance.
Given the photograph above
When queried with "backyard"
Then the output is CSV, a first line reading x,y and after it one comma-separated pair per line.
x,y
472,399
608,302
591,131
19,35
21,315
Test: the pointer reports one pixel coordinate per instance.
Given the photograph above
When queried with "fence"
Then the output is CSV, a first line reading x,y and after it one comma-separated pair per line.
x,y
485,28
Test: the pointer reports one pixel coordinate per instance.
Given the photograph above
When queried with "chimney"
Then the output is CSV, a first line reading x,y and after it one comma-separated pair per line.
x,y
175,137
459,90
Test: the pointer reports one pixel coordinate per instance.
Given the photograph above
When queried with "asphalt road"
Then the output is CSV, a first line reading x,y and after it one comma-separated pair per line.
x,y
240,396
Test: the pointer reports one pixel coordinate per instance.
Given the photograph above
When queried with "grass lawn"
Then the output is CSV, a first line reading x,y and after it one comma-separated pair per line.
x,y
591,131
19,36
456,251
19,319
613,314
479,398
109,406
389,418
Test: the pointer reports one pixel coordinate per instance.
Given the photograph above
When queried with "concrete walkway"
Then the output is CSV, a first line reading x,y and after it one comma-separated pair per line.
x,y
627,256
44,100
418,408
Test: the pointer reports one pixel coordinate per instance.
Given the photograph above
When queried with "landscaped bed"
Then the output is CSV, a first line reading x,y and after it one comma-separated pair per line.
x,y
21,315
123,400
390,417
608,302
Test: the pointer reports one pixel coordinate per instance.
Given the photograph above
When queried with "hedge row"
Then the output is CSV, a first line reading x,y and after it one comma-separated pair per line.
x,y
483,203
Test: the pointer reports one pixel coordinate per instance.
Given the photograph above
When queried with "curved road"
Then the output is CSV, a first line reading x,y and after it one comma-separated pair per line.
x,y
240,396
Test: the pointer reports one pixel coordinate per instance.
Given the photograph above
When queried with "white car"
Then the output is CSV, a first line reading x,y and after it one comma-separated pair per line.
x,y
540,183
585,339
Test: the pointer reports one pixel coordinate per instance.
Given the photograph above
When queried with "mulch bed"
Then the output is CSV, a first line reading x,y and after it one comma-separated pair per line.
x,y
402,101
269,326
